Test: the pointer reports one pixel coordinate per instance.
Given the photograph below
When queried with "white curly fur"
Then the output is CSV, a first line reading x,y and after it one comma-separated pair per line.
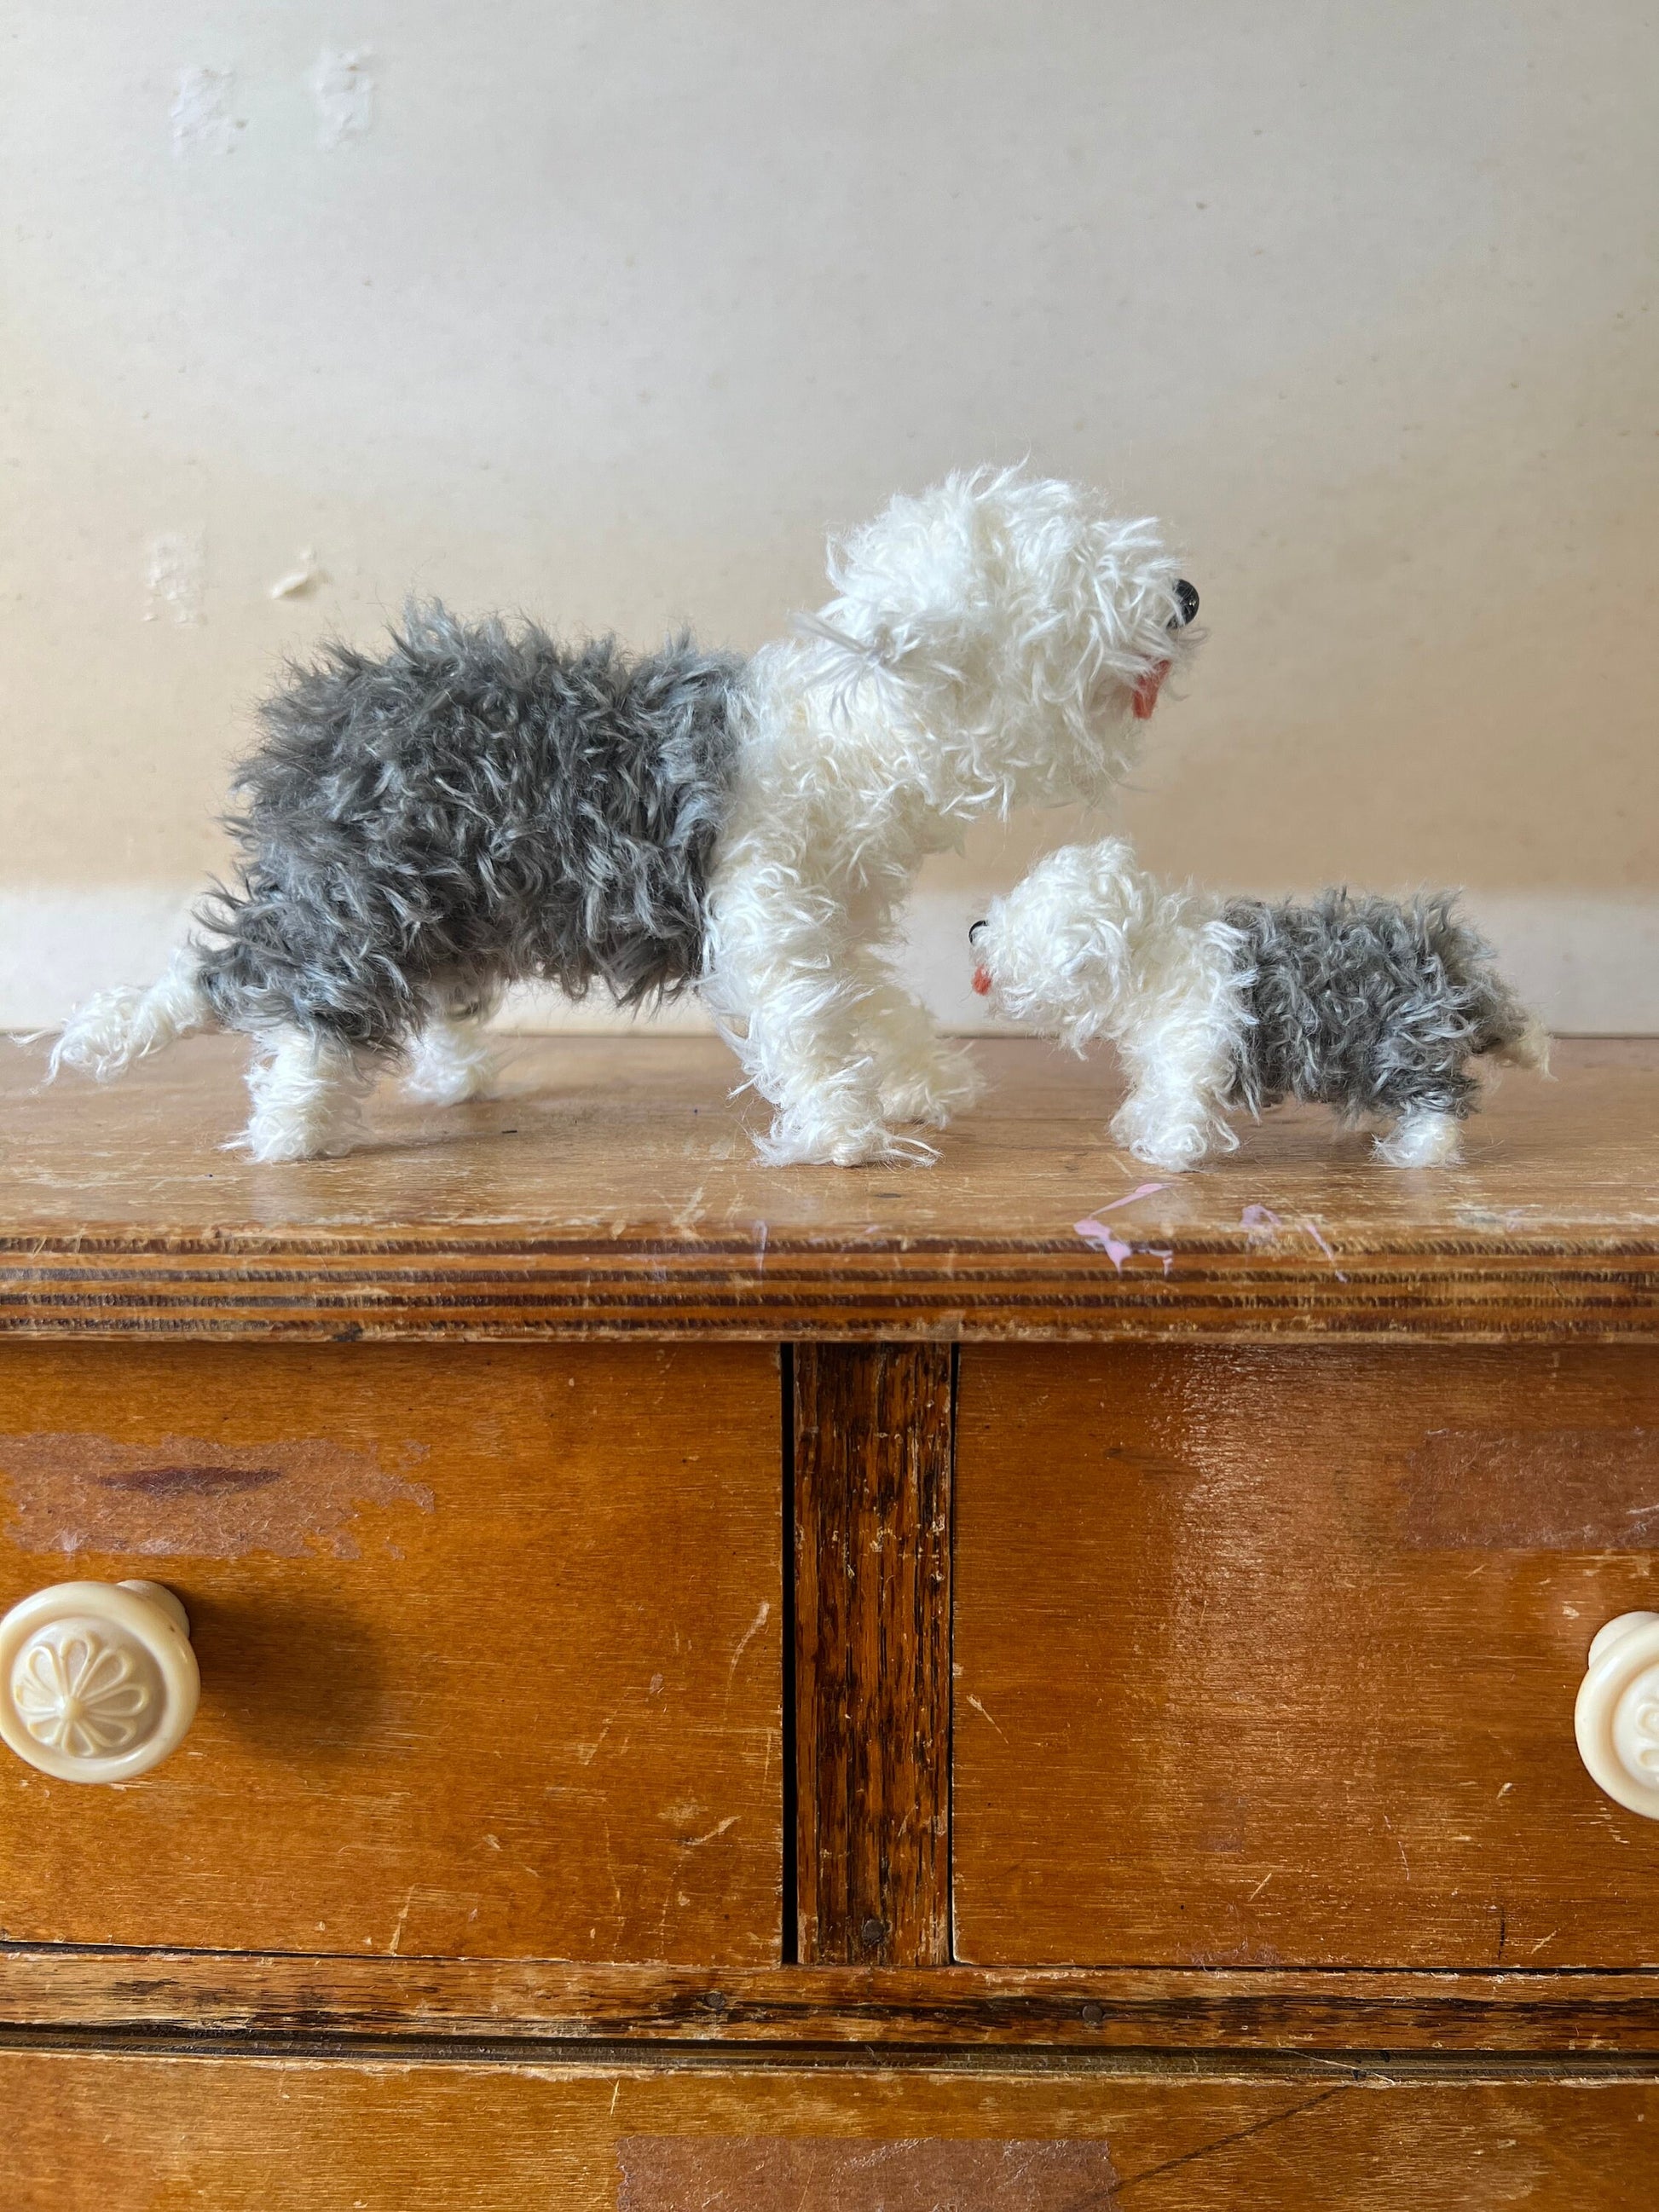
x,y
982,652
1425,1139
111,1031
306,1093
1087,945
451,1060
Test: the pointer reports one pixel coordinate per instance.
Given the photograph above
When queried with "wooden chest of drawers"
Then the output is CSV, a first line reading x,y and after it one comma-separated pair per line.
x,y
731,1689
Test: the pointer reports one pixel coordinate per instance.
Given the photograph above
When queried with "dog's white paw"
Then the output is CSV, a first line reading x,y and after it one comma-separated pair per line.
x,y
446,1069
272,1144
1423,1140
945,1085
276,1138
1172,1138
791,1144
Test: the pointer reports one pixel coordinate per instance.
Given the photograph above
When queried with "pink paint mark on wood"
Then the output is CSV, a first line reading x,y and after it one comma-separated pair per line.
x,y
1140,1190
1093,1231
1314,1231
1261,1225
1097,1233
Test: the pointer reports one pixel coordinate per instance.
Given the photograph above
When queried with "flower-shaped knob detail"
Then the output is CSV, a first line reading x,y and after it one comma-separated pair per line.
x,y
97,1681
1617,1719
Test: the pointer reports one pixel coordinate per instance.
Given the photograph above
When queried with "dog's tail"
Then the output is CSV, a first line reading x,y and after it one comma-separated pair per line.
x,y
1529,1046
104,1038
1506,1028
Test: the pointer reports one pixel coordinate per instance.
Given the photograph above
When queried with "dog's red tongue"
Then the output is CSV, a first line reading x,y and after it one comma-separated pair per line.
x,y
982,981
1147,690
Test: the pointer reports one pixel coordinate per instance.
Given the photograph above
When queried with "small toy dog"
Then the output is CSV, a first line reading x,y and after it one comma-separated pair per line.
x,y
1368,1005
478,806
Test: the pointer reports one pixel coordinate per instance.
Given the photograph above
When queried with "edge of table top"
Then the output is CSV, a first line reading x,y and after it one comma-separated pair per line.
x,y
612,1191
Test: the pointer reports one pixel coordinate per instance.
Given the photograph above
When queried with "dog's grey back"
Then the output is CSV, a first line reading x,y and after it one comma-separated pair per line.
x,y
1373,1005
477,807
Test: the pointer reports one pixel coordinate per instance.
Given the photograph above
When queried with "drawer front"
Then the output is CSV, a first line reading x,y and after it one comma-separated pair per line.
x,y
1269,1658
130,2134
488,1640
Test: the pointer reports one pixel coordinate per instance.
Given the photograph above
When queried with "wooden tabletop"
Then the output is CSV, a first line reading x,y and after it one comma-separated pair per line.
x,y
613,1190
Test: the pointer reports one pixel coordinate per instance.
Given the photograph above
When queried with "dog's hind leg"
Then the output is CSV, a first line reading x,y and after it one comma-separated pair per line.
x,y
450,1059
306,1092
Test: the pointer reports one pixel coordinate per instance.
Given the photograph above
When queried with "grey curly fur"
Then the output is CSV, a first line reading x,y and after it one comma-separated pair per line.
x,y
1373,1005
478,806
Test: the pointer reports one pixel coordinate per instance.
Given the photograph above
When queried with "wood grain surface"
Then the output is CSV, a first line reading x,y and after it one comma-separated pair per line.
x,y
130,2133
872,1652
1268,1656
531,2004
490,1640
841,2174
614,1190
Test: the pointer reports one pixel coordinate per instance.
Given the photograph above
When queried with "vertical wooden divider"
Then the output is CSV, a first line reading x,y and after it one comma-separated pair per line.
x,y
874,1447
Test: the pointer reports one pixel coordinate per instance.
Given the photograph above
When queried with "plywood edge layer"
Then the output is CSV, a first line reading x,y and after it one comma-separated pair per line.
x,y
440,1287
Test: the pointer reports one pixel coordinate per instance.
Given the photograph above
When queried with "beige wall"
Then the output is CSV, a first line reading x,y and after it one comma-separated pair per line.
x,y
605,311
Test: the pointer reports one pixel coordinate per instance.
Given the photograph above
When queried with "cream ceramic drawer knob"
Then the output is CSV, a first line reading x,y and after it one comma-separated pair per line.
x,y
97,1681
1617,1715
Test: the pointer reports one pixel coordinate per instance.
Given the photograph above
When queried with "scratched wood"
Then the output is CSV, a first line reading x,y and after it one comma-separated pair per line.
x,y
533,2003
488,1639
614,1190
130,2133
1268,1657
873,1660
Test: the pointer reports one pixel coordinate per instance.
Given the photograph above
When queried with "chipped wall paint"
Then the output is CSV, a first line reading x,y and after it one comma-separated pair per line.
x,y
200,113
304,576
190,1497
342,91
175,576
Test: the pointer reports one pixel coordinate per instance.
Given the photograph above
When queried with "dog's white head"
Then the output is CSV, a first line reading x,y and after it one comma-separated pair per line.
x,y
1058,953
1018,622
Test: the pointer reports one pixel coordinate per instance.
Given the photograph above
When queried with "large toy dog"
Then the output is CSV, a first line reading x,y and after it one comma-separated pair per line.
x,y
1371,1006
480,807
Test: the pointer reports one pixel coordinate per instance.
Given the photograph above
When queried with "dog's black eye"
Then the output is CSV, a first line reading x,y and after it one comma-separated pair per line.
x,y
973,934
1186,604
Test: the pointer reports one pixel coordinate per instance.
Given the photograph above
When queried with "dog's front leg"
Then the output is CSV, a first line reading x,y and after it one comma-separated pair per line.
x,y
796,990
920,1076
807,1051
1167,1123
